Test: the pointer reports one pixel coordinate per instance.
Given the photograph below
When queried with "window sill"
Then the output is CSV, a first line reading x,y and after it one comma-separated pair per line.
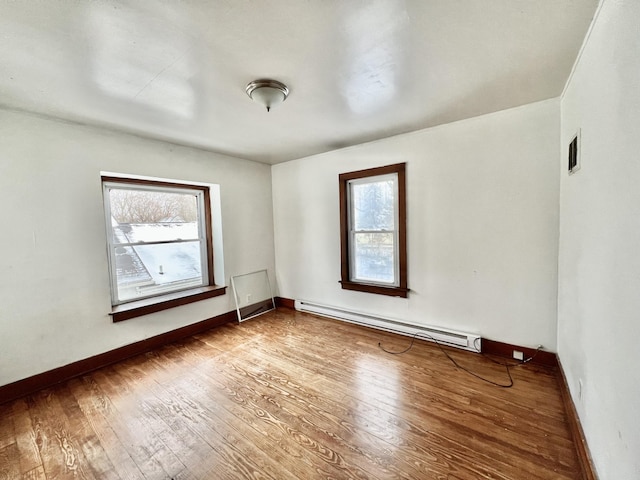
x,y
157,304
378,289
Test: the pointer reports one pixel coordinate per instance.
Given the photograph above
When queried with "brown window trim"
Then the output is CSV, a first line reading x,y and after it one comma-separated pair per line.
x,y
401,290
158,303
146,306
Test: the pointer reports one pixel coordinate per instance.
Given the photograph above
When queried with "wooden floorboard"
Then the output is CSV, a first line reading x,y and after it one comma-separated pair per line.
x,y
290,395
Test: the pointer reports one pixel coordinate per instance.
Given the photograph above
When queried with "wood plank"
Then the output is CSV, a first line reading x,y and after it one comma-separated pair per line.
x,y
290,395
35,474
7,434
9,467
359,447
364,412
329,386
188,415
59,450
316,450
229,408
128,421
28,453
505,446
96,406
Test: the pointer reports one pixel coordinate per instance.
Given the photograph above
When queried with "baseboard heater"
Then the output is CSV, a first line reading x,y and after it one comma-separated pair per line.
x,y
466,341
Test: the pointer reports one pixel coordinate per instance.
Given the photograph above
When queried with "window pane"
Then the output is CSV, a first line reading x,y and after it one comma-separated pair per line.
x,y
374,257
143,216
153,269
154,232
373,205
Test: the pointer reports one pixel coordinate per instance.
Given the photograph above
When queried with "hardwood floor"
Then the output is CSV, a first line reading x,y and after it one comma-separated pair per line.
x,y
292,396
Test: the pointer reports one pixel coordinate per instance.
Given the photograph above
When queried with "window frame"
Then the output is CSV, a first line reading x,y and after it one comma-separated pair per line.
x,y
123,310
400,289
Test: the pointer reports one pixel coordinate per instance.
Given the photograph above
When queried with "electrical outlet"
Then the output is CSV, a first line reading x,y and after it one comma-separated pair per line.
x,y
248,297
518,355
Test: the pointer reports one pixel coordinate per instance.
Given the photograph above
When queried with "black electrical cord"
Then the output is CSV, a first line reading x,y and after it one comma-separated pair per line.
x,y
507,366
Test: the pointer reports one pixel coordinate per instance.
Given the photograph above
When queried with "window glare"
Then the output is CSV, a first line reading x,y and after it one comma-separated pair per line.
x,y
373,205
374,257
157,241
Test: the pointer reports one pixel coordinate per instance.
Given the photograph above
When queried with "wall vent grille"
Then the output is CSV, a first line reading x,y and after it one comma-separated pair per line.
x,y
574,154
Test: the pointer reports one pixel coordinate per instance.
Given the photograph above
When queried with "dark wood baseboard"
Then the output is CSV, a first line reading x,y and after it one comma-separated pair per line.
x,y
199,411
501,349
579,440
37,382
550,359
285,303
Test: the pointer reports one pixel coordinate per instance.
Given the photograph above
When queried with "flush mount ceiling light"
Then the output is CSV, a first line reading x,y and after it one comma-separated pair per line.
x,y
267,92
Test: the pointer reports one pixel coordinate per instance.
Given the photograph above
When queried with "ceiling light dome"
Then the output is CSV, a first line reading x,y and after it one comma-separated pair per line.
x,y
267,92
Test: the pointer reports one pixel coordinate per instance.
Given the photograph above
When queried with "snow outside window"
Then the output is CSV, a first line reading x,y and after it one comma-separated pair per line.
x,y
157,239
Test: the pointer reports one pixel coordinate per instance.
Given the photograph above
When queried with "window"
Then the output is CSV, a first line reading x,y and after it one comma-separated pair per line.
x,y
159,245
373,230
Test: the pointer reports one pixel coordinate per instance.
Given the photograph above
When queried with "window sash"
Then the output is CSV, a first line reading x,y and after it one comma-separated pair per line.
x,y
201,240
354,275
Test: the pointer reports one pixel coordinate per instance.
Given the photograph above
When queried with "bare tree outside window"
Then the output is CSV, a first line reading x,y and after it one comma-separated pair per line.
x,y
157,239
136,206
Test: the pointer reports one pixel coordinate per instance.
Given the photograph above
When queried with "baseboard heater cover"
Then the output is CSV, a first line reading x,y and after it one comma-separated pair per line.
x,y
453,338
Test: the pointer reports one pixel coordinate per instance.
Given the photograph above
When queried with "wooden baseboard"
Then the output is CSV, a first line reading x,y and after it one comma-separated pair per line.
x,y
285,303
37,382
579,440
550,359
501,349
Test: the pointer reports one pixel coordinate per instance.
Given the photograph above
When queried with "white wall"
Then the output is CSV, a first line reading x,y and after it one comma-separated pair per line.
x,y
54,286
599,262
482,225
